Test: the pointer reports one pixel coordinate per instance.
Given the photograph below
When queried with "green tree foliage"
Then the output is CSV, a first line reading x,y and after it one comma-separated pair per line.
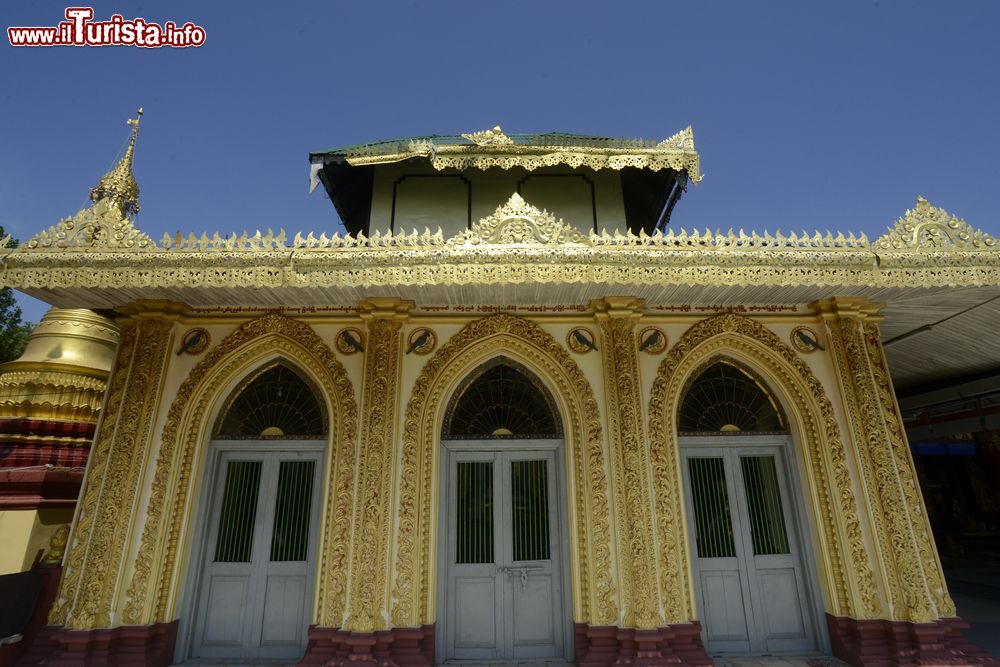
x,y
13,330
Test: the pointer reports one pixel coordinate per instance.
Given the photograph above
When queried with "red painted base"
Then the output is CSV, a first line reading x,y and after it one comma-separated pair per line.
x,y
127,646
399,647
602,646
899,644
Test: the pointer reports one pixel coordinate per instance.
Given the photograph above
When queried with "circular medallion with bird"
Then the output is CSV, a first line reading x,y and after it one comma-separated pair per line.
x,y
805,340
652,340
580,340
350,340
421,341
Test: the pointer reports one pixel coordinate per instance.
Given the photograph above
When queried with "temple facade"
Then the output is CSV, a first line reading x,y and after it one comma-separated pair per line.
x,y
512,414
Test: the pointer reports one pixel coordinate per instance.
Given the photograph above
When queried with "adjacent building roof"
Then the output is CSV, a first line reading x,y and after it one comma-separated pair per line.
x,y
494,148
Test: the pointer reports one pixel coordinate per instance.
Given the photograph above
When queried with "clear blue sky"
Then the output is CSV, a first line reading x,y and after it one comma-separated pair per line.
x,y
806,114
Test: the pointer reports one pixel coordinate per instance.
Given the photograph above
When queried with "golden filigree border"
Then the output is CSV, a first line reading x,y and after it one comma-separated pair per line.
x,y
914,585
102,536
852,587
631,487
526,343
371,549
97,471
184,438
944,606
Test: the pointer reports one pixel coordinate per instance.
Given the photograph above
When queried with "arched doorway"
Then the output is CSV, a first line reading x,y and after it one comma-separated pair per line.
x,y
503,586
256,556
744,517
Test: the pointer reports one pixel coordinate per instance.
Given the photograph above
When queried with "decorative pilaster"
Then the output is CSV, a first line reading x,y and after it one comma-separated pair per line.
x,y
911,573
368,604
632,485
92,575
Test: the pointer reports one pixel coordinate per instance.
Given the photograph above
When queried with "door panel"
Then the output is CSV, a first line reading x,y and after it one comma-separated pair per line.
x,y
283,610
503,587
724,593
781,609
722,600
477,601
227,598
476,624
257,577
754,601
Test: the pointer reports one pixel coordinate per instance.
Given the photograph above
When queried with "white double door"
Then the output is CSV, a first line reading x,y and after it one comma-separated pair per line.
x,y
749,579
503,585
258,562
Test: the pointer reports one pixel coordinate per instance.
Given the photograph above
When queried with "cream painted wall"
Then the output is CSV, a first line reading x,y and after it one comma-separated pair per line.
x,y
425,198
15,535
24,532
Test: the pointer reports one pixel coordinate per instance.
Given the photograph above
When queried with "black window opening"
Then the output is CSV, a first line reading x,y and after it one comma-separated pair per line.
x,y
277,402
726,398
502,400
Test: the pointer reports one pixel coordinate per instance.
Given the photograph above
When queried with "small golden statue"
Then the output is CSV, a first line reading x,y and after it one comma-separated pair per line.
x,y
57,546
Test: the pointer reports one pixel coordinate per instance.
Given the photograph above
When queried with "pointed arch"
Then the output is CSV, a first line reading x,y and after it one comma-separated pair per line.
x,y
275,400
590,533
846,572
502,398
724,395
152,597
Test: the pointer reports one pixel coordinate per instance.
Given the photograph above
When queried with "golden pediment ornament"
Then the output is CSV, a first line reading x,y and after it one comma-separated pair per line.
x,y
681,141
494,137
98,227
927,227
518,222
106,224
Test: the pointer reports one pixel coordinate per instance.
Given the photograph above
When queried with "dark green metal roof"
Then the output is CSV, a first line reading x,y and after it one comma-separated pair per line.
x,y
555,139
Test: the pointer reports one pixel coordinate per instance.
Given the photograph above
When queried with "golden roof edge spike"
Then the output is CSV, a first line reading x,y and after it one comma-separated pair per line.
x,y
118,185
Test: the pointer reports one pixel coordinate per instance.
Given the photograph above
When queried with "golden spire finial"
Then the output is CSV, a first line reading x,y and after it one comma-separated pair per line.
x,y
118,185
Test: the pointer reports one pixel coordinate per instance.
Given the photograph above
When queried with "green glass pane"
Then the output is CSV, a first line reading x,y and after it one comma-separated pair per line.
x,y
474,538
713,522
767,521
239,509
290,536
530,510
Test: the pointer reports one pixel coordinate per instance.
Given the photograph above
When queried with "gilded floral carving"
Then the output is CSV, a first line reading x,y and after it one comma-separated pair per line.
x,y
630,463
98,463
944,605
843,555
526,341
914,586
518,222
366,610
494,137
102,535
926,227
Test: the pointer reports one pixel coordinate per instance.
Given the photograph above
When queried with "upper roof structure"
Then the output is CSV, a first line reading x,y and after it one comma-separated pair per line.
x,y
655,173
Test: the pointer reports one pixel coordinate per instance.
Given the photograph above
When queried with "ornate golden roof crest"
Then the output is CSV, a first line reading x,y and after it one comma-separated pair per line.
x,y
494,137
105,224
681,141
518,222
927,227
